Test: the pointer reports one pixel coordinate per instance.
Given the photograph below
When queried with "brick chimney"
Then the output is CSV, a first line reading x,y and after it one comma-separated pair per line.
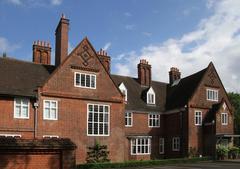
x,y
61,40
144,73
105,59
174,74
41,52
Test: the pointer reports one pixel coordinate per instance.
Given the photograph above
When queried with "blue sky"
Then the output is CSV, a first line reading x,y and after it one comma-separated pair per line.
x,y
168,33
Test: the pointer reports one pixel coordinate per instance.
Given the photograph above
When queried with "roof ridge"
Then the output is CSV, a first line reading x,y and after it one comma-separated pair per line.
x,y
23,61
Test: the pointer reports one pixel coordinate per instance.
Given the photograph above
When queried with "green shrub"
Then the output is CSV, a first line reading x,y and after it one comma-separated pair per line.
x,y
222,152
97,154
233,152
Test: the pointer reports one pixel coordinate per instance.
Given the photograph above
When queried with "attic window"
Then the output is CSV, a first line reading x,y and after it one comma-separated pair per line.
x,y
123,89
84,80
151,96
212,94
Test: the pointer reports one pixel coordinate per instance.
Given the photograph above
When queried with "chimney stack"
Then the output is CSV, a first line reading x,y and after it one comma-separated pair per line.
x,y
41,52
61,40
174,74
144,73
105,59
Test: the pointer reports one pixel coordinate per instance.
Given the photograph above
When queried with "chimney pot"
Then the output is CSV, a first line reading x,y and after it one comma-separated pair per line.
x,y
174,74
144,73
41,52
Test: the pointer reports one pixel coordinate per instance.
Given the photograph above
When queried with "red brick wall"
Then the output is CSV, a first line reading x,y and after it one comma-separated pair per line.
x,y
11,125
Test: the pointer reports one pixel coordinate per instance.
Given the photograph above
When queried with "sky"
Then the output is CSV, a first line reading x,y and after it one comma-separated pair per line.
x,y
168,33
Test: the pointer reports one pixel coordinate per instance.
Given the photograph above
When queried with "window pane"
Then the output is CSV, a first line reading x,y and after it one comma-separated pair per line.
x,y
47,113
24,112
87,80
17,111
77,79
90,128
93,81
83,80
90,108
47,104
105,128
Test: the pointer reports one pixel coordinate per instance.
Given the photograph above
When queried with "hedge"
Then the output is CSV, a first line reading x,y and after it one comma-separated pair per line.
x,y
141,163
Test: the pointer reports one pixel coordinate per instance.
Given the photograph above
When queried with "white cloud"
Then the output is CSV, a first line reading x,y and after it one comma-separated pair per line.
x,y
217,39
107,46
15,2
130,27
56,2
148,34
6,46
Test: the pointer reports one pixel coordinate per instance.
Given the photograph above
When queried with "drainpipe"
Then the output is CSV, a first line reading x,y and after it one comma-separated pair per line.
x,y
35,119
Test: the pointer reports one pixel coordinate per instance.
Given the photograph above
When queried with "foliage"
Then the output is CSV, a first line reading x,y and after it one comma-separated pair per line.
x,y
235,101
222,152
97,154
233,152
141,163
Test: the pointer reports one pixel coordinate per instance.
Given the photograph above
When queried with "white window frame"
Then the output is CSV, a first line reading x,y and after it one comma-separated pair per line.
x,y
198,118
161,145
212,95
151,92
50,136
123,89
11,135
21,106
176,144
80,85
148,144
44,105
108,122
224,119
154,117
127,117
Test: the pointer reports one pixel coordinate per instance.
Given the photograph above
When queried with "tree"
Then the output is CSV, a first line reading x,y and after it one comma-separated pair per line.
x,y
235,101
97,154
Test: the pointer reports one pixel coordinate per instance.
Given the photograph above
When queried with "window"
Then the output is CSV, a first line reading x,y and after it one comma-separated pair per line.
x,y
11,135
50,111
50,136
224,118
161,145
128,119
21,108
154,120
176,144
85,80
98,120
123,90
212,95
140,146
151,96
198,118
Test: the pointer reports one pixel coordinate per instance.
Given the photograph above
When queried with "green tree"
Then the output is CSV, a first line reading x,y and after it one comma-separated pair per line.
x,y
97,154
235,101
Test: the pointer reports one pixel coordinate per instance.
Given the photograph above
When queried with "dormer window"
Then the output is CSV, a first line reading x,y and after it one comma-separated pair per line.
x,y
123,89
151,96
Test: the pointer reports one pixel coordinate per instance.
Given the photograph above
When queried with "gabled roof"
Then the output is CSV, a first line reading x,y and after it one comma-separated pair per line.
x,y
137,94
179,94
21,78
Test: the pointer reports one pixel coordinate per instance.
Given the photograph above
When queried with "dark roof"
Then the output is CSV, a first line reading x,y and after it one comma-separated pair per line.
x,y
22,78
137,94
178,95
53,143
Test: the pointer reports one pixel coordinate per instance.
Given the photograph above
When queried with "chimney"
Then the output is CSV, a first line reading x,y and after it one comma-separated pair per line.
x,y
61,40
105,59
174,74
144,73
41,52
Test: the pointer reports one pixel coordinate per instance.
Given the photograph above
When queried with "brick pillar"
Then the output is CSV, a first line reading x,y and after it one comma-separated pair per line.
x,y
41,52
105,59
144,73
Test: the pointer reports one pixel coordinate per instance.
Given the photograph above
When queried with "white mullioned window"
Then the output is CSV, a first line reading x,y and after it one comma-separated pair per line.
x,y
128,119
161,145
50,136
98,120
140,146
212,94
154,120
198,118
11,135
50,110
224,118
123,89
85,80
21,108
175,144
151,96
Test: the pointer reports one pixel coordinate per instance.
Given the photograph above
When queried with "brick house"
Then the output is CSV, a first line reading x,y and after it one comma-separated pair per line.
x,y
137,118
